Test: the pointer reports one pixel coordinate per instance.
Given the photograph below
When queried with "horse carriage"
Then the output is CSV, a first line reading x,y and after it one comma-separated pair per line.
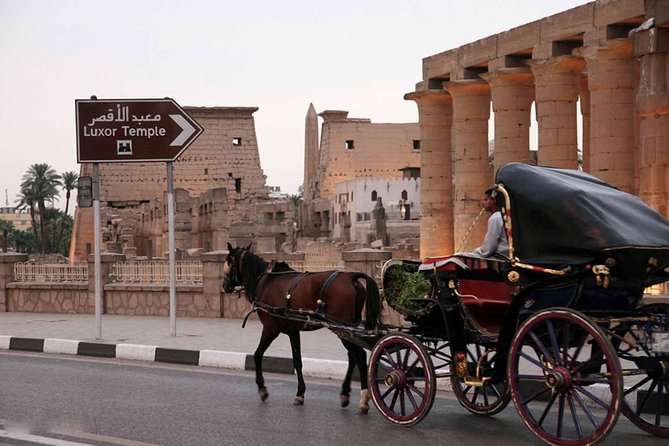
x,y
559,326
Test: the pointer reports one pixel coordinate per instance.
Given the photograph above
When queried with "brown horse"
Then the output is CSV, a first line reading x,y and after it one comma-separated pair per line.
x,y
332,296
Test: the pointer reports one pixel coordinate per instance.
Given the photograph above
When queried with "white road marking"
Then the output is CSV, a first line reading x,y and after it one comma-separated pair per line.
x,y
104,438
38,439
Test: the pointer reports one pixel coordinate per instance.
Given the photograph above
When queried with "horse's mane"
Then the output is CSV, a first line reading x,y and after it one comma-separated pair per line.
x,y
280,267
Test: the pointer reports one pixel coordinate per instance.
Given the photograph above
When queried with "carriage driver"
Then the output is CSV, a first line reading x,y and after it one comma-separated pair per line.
x,y
495,242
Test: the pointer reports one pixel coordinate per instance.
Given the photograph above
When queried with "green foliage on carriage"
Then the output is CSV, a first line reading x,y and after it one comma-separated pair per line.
x,y
403,288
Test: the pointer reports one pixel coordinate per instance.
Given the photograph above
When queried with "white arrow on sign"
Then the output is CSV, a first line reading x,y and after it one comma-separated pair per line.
x,y
186,130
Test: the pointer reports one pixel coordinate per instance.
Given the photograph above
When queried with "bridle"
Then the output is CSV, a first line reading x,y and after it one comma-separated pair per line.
x,y
236,270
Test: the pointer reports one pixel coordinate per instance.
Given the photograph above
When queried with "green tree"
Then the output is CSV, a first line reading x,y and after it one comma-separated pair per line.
x,y
59,231
27,200
70,180
41,183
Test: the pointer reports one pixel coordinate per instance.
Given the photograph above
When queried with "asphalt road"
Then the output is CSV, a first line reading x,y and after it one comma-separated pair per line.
x,y
50,400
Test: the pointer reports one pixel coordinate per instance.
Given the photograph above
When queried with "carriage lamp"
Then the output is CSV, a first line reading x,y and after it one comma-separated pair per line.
x,y
513,276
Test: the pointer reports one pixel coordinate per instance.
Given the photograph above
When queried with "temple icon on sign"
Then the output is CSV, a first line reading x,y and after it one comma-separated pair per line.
x,y
124,147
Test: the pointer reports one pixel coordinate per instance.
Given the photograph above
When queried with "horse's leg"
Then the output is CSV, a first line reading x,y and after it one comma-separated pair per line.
x,y
297,363
361,362
344,396
266,339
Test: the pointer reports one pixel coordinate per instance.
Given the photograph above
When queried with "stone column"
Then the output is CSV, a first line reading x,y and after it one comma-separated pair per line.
x,y
584,97
436,187
7,261
652,101
472,173
556,90
611,83
512,95
212,280
107,259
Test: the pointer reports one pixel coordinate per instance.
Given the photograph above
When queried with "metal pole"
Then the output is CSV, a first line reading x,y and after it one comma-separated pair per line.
x,y
98,245
171,245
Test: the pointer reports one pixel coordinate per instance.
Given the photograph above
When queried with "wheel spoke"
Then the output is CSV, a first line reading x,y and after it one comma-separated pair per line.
x,y
599,356
578,351
387,392
485,395
403,410
476,395
494,389
637,385
560,415
541,347
406,359
592,397
389,358
566,338
587,411
554,343
415,389
548,407
413,364
412,400
539,378
572,409
394,400
645,399
467,389
658,409
536,395
593,380
533,361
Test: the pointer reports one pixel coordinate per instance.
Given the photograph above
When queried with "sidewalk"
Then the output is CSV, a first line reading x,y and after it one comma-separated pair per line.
x,y
192,333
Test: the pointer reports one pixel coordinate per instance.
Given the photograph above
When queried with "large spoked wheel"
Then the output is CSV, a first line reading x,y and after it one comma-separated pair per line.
x,y
401,379
565,378
645,368
480,396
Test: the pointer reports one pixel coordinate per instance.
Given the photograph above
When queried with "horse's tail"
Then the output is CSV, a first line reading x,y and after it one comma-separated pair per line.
x,y
372,301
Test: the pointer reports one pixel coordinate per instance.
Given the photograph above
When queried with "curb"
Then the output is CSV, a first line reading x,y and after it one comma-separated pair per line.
x,y
321,368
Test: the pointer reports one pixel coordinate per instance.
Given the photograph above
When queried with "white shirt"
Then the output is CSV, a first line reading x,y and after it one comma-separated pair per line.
x,y
495,241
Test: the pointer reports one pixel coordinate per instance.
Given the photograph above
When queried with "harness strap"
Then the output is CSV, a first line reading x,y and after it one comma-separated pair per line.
x,y
293,284
321,296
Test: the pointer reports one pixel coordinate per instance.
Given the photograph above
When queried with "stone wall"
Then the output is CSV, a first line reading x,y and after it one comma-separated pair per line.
x,y
49,298
154,300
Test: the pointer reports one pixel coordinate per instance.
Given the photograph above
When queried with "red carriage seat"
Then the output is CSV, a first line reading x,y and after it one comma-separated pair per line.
x,y
481,286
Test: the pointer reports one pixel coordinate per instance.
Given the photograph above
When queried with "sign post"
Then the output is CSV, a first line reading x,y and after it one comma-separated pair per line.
x,y
98,242
127,131
171,244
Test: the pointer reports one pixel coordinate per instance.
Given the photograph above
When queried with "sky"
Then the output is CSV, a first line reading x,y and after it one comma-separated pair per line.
x,y
360,56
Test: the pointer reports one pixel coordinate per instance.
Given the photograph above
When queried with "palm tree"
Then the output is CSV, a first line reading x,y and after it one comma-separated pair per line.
x,y
70,180
42,181
27,200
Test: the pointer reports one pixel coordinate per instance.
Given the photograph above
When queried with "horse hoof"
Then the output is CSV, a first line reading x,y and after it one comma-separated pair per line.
x,y
263,394
363,410
298,401
344,400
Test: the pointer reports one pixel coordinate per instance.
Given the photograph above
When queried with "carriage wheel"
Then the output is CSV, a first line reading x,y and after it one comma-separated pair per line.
x,y
565,378
645,372
401,379
487,398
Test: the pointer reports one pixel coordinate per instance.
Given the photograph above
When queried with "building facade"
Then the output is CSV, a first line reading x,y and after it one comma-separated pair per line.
x,y
349,149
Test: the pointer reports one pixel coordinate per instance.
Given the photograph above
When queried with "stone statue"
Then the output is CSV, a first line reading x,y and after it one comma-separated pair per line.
x,y
380,220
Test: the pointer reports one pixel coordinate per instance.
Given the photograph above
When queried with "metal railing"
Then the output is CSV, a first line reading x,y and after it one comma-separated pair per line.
x,y
50,273
189,272
316,267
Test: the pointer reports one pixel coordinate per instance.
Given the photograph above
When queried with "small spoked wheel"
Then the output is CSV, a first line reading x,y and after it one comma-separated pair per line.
x,y
565,378
644,359
401,379
477,392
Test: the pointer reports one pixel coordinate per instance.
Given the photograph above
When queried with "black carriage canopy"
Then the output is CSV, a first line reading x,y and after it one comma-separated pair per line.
x,y
568,217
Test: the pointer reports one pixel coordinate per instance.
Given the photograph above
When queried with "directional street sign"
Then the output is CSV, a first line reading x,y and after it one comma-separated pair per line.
x,y
132,130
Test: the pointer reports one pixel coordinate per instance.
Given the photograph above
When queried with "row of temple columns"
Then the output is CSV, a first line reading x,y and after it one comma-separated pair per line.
x,y
625,133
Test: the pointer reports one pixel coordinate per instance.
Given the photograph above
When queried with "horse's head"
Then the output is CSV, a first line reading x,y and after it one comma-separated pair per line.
x,y
233,268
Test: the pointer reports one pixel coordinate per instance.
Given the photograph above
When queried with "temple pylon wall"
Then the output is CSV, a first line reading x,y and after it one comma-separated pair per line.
x,y
595,60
